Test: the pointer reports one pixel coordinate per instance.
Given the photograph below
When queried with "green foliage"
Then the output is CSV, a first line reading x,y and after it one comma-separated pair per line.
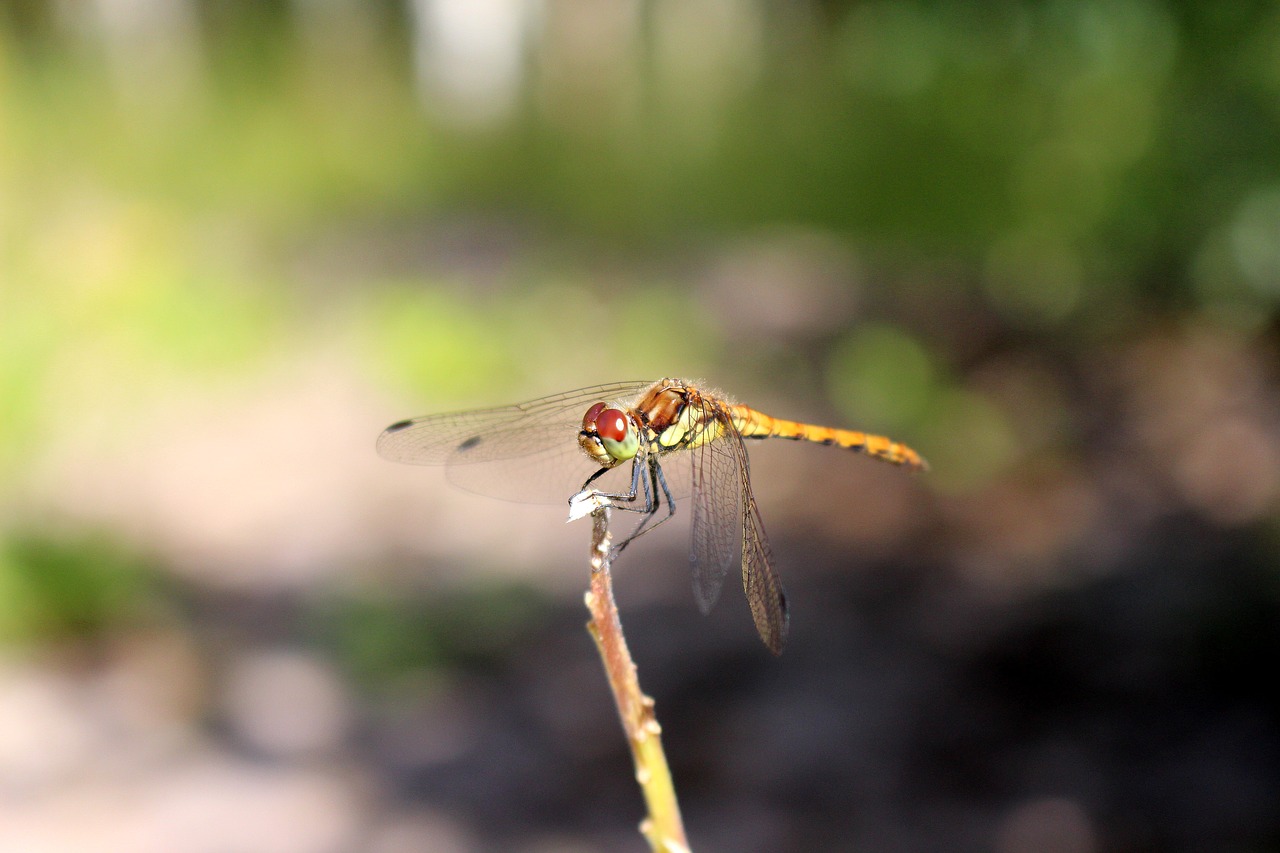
x,y
56,587
1093,138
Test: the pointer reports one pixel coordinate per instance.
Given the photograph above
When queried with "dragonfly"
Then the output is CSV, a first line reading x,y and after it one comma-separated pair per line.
x,y
635,446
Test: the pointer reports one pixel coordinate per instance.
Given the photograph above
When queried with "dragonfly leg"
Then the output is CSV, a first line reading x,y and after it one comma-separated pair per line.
x,y
637,466
653,501
646,480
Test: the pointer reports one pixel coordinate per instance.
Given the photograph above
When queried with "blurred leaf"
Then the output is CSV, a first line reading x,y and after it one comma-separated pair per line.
x,y
967,439
882,378
52,587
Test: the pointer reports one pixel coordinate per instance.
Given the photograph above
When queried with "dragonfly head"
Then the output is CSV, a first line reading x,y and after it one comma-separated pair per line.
x,y
609,436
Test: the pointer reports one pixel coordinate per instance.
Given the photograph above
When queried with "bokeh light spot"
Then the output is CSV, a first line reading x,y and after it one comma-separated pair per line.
x,y
967,439
880,375
1255,241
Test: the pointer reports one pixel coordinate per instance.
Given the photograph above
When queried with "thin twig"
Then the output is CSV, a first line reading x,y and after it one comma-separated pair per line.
x,y
662,827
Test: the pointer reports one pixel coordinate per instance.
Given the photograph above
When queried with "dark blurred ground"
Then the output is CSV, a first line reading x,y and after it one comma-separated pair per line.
x,y
1038,242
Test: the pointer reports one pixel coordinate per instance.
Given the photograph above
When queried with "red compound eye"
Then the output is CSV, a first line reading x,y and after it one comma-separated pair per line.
x,y
611,424
592,413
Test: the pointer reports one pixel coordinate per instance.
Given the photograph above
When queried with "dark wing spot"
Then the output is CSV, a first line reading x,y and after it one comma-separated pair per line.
x,y
399,425
469,444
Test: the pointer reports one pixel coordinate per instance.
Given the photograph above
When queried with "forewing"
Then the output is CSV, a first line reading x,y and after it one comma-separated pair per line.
x,y
549,476
481,435
527,452
717,515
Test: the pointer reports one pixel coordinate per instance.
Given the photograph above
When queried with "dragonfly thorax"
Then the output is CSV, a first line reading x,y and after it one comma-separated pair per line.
x,y
677,416
609,435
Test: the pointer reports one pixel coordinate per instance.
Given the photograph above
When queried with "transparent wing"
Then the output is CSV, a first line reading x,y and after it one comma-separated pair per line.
x,y
760,581
481,435
550,476
526,452
717,515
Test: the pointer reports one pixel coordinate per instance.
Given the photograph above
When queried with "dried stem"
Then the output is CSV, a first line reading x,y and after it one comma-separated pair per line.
x,y
662,827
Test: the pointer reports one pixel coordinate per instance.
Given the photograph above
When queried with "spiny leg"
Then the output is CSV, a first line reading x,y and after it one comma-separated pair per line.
x,y
653,501
628,499
628,496
649,485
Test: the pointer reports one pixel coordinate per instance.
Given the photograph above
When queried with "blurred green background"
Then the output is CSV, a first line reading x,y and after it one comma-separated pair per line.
x,y
1040,242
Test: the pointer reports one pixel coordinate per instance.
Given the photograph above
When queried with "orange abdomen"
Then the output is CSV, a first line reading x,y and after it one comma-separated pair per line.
x,y
753,424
